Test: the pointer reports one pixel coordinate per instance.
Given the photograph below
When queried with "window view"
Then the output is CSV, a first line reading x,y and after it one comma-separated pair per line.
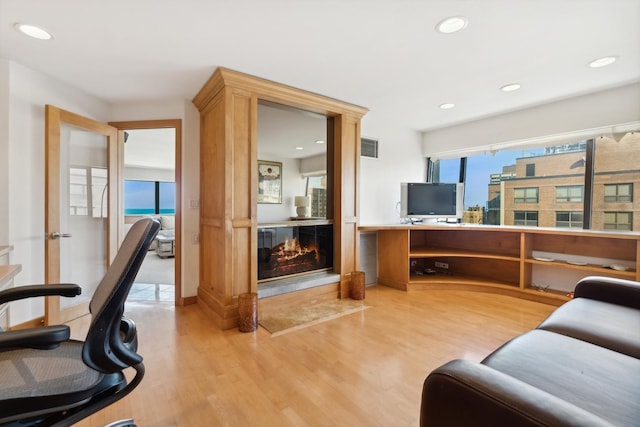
x,y
550,187
149,197
317,189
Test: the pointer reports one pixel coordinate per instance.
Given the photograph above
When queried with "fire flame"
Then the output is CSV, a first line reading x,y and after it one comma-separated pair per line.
x,y
291,248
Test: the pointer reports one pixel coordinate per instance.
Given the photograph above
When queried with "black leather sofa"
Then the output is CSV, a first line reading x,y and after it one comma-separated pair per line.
x,y
579,367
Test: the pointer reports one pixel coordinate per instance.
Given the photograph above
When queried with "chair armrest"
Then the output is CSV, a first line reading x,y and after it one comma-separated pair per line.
x,y
30,291
43,338
466,393
609,289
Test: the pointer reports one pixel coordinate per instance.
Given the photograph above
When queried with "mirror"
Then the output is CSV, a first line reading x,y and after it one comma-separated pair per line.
x,y
295,142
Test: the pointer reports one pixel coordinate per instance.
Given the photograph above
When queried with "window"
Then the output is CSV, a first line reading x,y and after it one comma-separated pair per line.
x,y
592,176
525,195
618,221
317,189
149,197
570,193
569,219
618,192
531,169
525,218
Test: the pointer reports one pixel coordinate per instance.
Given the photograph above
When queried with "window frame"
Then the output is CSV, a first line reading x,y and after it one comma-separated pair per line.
x,y
617,198
568,197
526,221
157,205
526,198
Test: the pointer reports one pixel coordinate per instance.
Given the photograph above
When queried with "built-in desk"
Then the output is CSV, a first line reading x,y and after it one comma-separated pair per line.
x,y
541,264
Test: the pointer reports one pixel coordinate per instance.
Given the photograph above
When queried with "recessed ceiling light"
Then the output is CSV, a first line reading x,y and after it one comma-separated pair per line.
x,y
299,148
452,25
602,62
319,141
510,87
447,106
33,31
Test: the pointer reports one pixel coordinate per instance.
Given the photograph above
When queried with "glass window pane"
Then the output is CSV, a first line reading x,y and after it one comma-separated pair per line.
x,y
447,170
317,189
167,198
139,197
616,170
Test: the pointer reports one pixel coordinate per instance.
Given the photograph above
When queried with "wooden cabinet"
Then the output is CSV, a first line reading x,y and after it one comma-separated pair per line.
x,y
228,105
534,263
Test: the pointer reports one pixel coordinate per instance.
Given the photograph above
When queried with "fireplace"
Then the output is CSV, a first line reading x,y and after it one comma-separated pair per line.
x,y
287,249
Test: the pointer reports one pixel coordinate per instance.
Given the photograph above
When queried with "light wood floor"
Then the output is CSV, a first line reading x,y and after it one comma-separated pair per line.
x,y
363,369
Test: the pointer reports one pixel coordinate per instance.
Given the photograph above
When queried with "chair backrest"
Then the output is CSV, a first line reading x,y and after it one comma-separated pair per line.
x,y
104,349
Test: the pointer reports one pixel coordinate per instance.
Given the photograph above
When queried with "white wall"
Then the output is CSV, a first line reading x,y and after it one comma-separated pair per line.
x,y
567,120
400,159
23,146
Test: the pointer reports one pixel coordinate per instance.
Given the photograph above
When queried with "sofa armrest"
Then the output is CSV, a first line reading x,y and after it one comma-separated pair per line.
x,y
465,393
609,289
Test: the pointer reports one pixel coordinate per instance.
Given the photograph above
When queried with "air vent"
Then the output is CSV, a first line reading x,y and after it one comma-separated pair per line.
x,y
369,148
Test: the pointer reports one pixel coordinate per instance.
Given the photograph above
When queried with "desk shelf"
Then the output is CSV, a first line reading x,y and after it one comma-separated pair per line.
x,y
499,259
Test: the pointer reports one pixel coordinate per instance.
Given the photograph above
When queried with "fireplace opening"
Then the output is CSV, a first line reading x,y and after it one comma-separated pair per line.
x,y
291,250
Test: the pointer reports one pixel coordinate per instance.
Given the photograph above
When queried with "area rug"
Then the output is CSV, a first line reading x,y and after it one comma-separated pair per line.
x,y
291,320
156,270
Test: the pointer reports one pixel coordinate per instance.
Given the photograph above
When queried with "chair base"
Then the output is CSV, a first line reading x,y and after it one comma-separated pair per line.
x,y
122,423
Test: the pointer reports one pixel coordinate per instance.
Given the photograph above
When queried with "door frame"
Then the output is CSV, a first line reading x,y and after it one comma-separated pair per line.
x,y
158,124
54,118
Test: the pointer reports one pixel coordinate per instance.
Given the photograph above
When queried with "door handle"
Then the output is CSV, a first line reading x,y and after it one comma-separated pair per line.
x,y
57,235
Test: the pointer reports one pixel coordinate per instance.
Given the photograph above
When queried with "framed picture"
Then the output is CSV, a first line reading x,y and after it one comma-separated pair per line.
x,y
269,182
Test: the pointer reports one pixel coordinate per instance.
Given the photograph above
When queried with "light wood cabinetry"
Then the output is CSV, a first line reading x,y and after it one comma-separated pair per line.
x,y
504,260
228,105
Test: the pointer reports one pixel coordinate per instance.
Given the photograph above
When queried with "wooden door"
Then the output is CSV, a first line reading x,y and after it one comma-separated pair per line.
x,y
81,205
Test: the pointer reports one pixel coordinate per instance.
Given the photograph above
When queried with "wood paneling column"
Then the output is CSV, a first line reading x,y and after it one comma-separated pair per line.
x,y
228,105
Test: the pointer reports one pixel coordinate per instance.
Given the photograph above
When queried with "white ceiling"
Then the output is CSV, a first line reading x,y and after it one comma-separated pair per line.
x,y
381,54
150,148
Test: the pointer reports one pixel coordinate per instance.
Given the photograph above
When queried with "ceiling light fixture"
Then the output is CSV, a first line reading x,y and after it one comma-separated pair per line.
x,y
33,31
299,148
447,106
452,25
510,87
602,62
319,141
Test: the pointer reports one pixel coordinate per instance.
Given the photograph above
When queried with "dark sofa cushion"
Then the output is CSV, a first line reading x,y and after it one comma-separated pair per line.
x,y
608,325
463,393
598,380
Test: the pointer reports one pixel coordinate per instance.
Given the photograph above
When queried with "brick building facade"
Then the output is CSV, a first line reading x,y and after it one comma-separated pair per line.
x,y
549,190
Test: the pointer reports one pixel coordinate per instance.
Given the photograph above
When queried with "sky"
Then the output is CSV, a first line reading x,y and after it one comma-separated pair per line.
x,y
479,169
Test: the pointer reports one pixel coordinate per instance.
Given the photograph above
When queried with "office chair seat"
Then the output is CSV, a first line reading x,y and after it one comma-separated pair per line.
x,y
47,379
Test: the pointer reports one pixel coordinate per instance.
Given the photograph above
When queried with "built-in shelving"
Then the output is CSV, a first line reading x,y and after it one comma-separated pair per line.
x,y
506,260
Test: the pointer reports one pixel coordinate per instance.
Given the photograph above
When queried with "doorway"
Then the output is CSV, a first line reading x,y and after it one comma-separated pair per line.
x,y
150,180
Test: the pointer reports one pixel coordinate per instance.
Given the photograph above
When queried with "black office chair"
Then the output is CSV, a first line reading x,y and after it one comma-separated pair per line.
x,y
47,379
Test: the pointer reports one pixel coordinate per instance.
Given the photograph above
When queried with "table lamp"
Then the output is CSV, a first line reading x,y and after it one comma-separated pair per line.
x,y
302,206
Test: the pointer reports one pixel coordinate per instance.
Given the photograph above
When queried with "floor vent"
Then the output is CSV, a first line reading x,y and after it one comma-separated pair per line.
x,y
369,148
